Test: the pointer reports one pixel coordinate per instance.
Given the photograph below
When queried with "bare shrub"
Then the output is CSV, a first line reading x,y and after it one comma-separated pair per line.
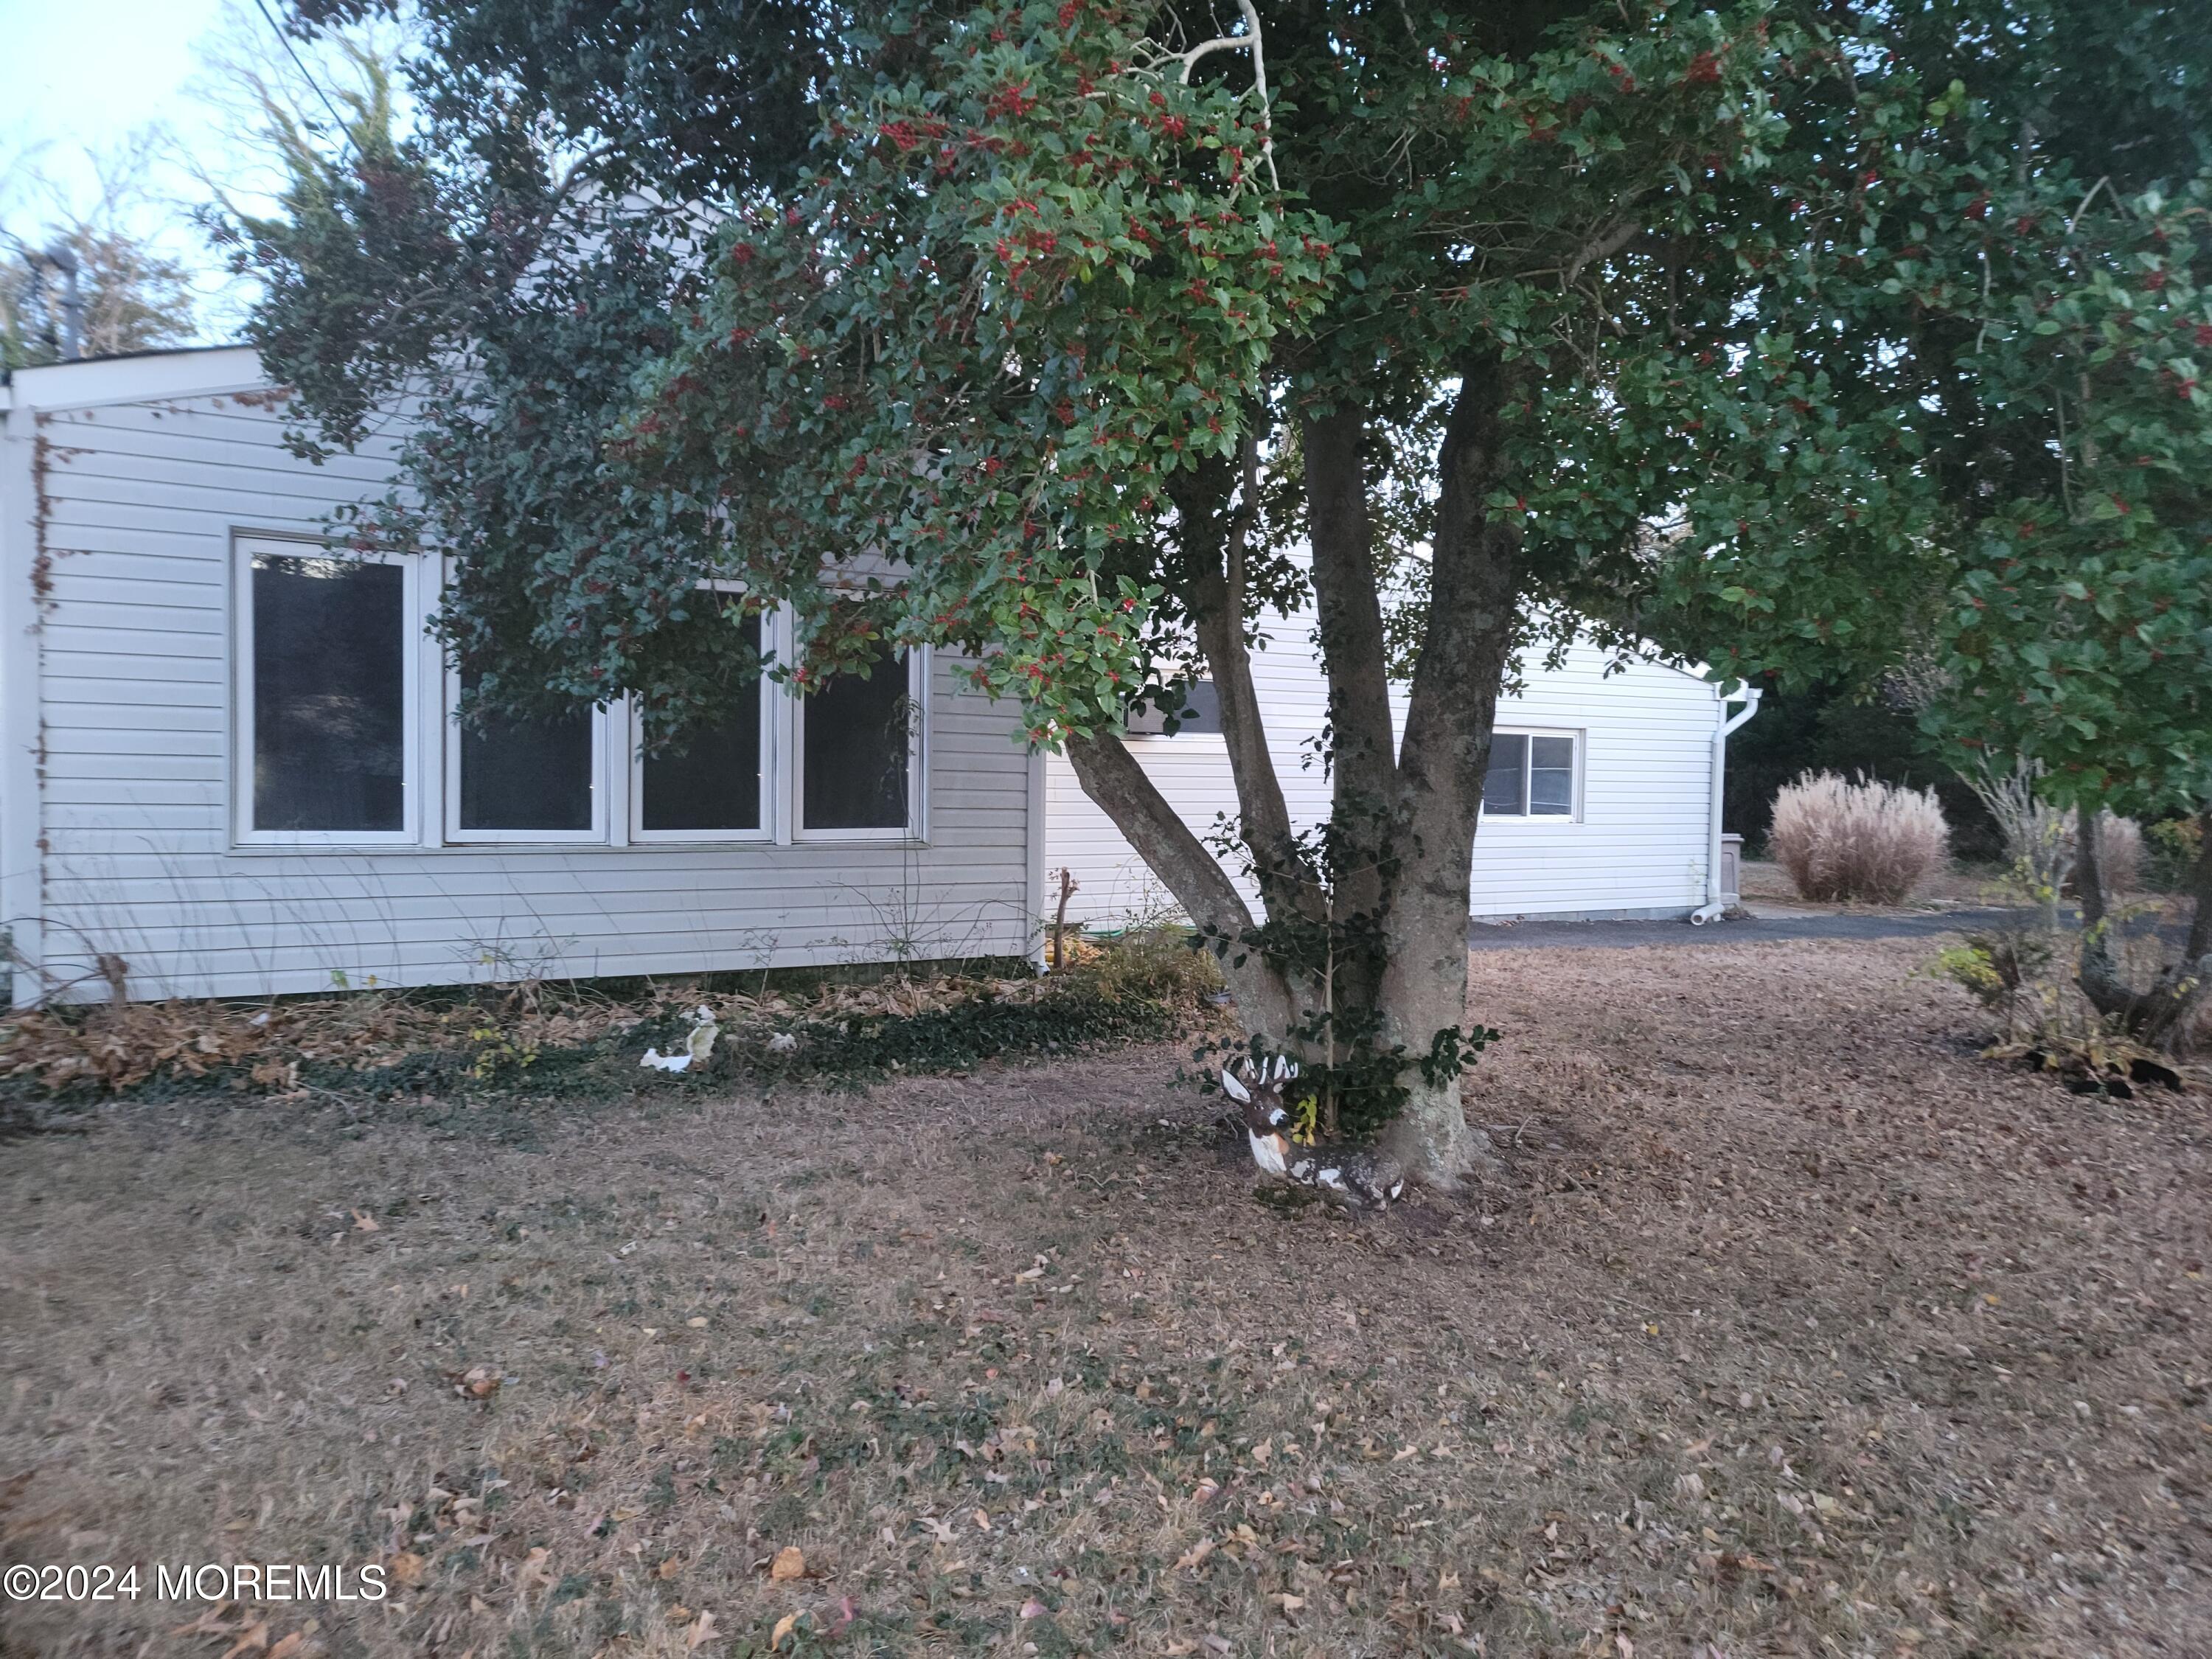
x,y
2038,836
2120,852
1868,840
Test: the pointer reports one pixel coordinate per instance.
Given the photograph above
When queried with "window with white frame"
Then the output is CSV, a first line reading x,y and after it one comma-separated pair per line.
x,y
326,693
332,661
710,784
1532,775
860,751
526,779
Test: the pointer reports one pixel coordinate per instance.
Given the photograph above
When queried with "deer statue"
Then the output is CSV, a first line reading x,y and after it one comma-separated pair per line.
x,y
1350,1175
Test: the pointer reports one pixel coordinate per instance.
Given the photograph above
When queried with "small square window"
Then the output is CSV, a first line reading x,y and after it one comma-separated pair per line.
x,y
857,747
1532,775
327,691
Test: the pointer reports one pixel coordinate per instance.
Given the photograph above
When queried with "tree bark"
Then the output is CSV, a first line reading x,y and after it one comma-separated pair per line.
x,y
1363,757
1216,603
2099,973
1441,765
2158,1014
1110,775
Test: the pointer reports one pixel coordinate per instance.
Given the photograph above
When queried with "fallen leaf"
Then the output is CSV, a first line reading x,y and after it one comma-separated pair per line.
x,y
1033,1608
1292,1603
783,1627
207,1624
702,1632
477,1382
289,1646
1195,1554
407,1568
789,1564
364,1222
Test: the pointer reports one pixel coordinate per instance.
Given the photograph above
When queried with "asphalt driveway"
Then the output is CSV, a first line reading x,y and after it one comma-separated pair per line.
x,y
1613,935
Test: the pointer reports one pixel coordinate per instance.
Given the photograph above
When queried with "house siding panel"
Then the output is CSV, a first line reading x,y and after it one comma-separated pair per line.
x,y
141,503
1638,847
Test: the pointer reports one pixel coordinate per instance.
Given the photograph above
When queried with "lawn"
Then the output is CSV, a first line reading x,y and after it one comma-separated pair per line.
x,y
1791,1327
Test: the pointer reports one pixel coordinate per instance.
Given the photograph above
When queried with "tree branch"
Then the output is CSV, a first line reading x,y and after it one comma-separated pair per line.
x,y
1216,607
1110,775
1252,40
1351,608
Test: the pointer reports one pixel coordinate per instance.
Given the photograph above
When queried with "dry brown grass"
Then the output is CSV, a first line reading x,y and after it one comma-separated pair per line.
x,y
1796,1330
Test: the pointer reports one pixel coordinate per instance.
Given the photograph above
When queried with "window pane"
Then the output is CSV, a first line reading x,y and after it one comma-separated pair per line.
x,y
1552,776
1503,786
857,750
712,780
330,693
1201,709
714,783
1200,712
527,774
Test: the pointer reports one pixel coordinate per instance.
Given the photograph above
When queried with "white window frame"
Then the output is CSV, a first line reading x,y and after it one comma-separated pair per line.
x,y
1576,735
774,630
457,836
916,829
243,548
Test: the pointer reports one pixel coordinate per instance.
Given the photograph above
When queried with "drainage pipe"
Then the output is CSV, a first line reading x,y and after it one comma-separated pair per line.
x,y
1714,906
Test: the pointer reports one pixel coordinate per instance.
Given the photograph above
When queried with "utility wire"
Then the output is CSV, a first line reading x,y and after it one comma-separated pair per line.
x,y
345,133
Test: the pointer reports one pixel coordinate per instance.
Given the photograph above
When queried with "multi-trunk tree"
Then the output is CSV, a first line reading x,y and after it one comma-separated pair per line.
x,y
1056,330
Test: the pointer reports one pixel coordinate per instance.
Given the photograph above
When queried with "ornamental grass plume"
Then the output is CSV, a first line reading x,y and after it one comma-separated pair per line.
x,y
1868,840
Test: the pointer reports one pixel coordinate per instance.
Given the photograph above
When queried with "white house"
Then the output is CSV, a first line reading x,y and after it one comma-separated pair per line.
x,y
1601,800
229,762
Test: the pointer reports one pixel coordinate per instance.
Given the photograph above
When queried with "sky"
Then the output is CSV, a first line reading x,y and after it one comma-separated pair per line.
x,y
85,76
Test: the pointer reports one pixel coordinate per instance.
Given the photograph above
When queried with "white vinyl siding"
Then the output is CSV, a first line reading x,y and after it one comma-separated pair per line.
x,y
1634,844
137,780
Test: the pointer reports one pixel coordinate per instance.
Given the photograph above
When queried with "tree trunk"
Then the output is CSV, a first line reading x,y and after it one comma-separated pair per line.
x,y
1441,765
1110,774
2189,981
1363,757
1415,804
1216,602
2159,1014
2099,974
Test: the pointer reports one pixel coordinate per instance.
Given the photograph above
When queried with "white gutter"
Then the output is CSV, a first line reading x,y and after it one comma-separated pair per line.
x,y
1713,908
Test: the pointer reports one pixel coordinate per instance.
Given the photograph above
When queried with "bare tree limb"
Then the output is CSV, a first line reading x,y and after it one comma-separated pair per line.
x,y
1110,775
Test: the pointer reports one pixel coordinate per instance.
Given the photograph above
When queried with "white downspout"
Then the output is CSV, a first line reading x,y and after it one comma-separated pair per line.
x,y
1713,908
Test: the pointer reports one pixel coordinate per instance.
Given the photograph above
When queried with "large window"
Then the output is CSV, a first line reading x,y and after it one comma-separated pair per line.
x,y
338,697
706,785
326,679
1532,775
858,746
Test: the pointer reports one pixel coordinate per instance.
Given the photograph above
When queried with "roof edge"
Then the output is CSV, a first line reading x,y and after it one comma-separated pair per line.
x,y
90,382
